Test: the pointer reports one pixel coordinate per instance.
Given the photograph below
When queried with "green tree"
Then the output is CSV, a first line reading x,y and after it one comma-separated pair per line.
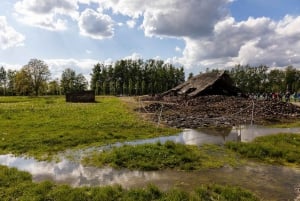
x,y
53,87
96,78
39,73
276,81
67,81
291,78
70,82
81,83
23,83
11,82
3,80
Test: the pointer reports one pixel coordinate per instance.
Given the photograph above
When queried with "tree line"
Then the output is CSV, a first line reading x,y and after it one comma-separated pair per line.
x,y
135,77
124,77
262,79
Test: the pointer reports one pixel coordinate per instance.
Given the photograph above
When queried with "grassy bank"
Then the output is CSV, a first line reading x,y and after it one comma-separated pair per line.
x,y
44,126
283,149
280,149
163,156
16,185
294,124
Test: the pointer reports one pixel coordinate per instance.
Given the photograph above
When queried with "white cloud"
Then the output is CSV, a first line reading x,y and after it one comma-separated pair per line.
x,y
212,37
84,66
175,18
95,24
134,56
178,49
254,41
131,23
46,14
11,66
9,37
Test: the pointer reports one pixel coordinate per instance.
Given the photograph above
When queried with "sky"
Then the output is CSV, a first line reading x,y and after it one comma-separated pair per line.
x,y
196,34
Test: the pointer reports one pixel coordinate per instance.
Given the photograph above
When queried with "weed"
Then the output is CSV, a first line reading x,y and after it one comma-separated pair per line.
x,y
163,156
281,149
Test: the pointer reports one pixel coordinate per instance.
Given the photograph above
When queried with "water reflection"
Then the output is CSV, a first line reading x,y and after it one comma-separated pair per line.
x,y
217,136
75,174
269,182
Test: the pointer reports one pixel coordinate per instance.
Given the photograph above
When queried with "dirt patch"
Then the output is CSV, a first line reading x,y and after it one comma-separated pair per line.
x,y
219,110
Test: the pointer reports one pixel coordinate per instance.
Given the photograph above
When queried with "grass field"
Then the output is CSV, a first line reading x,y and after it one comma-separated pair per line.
x,y
43,126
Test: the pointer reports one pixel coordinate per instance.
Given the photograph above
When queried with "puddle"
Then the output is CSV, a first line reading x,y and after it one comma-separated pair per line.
x,y
217,136
269,182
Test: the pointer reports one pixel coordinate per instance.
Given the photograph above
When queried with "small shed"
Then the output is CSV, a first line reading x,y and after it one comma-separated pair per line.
x,y
81,97
212,83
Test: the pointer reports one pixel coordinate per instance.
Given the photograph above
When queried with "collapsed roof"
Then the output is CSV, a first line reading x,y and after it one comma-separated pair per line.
x,y
212,83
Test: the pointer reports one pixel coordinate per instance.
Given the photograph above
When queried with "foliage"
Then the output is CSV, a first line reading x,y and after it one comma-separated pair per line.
x,y
38,74
54,87
42,126
261,79
70,82
23,83
135,77
3,80
17,185
163,156
11,82
281,148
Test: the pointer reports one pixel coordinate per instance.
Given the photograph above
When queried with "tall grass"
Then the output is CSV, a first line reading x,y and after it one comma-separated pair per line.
x,y
16,185
163,156
281,149
44,126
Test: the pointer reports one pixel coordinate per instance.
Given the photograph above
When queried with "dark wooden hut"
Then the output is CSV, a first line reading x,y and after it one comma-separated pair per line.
x,y
81,97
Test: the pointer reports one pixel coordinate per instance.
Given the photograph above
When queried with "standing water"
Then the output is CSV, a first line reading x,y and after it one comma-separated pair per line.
x,y
268,181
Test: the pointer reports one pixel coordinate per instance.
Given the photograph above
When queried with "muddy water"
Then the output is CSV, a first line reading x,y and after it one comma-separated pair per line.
x,y
267,181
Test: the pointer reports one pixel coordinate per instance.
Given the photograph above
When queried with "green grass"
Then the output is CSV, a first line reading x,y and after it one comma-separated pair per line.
x,y
281,149
43,126
293,124
163,156
17,185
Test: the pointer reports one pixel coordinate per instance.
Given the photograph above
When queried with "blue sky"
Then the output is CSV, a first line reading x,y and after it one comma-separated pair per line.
x,y
197,34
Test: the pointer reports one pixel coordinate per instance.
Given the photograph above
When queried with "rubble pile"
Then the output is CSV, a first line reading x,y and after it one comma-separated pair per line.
x,y
220,110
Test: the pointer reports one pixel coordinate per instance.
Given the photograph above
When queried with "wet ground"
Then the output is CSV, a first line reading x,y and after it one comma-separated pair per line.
x,y
268,181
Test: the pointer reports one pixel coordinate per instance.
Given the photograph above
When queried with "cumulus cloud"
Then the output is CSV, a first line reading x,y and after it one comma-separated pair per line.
x,y
174,18
254,41
212,37
95,24
9,37
46,14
